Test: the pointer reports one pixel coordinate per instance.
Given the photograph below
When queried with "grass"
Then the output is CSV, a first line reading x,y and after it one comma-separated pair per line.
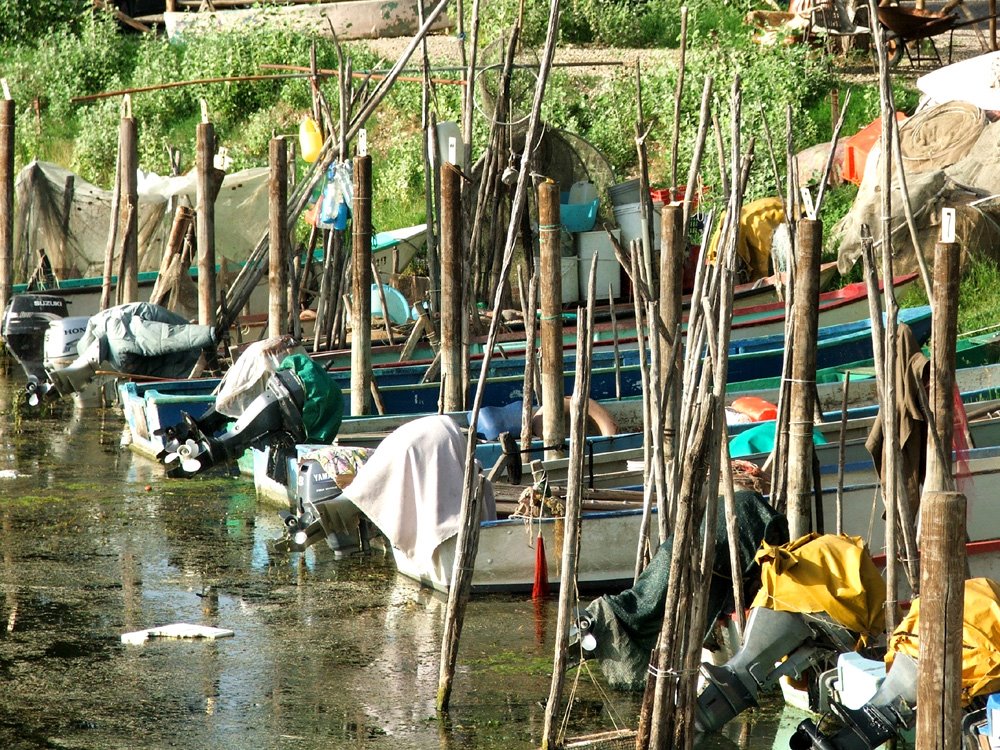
x,y
977,296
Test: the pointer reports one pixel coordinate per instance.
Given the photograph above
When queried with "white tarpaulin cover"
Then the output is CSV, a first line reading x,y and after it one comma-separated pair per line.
x,y
75,241
953,164
411,487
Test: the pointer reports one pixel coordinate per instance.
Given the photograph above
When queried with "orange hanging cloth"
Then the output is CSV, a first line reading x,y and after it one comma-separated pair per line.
x,y
540,589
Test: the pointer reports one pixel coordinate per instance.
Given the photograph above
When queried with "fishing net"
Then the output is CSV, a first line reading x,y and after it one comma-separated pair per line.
x,y
626,625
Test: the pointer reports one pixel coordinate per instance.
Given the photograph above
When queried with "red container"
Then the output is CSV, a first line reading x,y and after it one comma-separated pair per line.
x,y
857,147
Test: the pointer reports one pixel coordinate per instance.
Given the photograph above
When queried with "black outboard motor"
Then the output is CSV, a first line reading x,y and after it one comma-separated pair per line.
x,y
885,716
274,417
25,322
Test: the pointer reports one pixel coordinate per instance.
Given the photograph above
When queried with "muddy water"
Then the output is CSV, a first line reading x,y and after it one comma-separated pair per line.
x,y
326,654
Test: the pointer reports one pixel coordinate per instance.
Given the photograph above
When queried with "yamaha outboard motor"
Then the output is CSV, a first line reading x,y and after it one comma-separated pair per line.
x,y
775,644
885,716
273,417
25,322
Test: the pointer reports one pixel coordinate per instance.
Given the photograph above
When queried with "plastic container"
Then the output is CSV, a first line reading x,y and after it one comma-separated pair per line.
x,y
756,408
609,272
570,286
447,130
628,218
624,193
582,192
577,217
399,308
310,139
859,145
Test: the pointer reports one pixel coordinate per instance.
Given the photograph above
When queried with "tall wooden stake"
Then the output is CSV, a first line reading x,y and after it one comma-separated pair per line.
x,y
550,283
277,314
128,281
206,223
673,246
806,313
944,331
574,491
942,604
451,287
7,122
361,287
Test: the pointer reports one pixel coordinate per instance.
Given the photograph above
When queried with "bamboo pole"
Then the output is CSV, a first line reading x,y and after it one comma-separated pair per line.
x,y
571,536
942,600
645,201
806,312
128,280
678,93
173,254
550,283
944,332
842,454
451,286
529,304
8,117
461,583
112,244
361,286
383,304
277,314
673,246
206,224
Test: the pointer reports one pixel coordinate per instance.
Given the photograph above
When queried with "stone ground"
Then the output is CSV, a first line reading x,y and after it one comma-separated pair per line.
x,y
443,50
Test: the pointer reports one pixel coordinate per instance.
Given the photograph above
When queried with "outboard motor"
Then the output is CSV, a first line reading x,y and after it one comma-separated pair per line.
x,y
890,711
275,416
775,644
25,323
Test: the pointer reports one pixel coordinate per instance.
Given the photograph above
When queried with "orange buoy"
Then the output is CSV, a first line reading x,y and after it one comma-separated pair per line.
x,y
756,408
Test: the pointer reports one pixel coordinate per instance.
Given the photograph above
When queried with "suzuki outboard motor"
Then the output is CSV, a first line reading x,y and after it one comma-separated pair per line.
x,y
887,714
25,322
274,416
775,644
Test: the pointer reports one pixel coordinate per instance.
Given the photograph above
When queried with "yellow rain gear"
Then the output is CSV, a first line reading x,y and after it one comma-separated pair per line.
x,y
828,573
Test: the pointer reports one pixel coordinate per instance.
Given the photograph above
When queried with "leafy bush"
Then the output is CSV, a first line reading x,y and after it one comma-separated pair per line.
x,y
23,22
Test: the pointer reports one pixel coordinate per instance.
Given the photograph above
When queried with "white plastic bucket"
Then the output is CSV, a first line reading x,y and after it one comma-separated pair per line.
x,y
630,221
624,193
608,268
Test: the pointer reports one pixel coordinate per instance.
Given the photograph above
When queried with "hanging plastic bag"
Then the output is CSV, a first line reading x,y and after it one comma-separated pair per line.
x,y
310,139
337,196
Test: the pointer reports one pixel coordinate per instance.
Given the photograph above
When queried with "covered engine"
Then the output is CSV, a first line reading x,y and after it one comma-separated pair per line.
x,y
61,355
892,708
820,596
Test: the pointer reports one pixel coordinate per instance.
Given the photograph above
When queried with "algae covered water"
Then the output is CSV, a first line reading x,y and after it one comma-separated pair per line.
x,y
95,542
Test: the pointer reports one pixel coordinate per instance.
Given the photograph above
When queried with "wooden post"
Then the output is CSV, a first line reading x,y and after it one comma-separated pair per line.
x,y
802,401
673,246
206,223
128,281
574,491
550,286
277,312
361,287
451,286
942,600
944,331
7,120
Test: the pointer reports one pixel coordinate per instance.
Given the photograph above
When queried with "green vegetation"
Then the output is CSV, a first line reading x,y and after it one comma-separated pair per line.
x,y
55,51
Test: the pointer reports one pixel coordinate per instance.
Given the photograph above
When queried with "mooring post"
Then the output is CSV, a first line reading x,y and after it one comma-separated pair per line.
x,y
451,287
361,287
7,118
128,278
572,524
277,215
942,603
205,163
673,247
550,287
805,310
944,331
